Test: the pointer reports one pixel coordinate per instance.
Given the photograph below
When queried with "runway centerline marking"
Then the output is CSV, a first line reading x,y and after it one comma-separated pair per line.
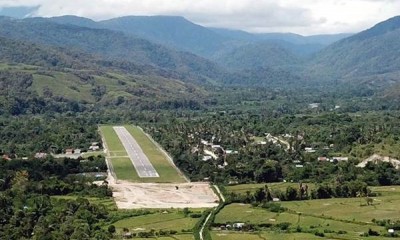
x,y
142,164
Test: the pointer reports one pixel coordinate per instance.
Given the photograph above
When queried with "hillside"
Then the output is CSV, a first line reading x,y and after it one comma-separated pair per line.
x,y
111,45
372,56
264,54
176,32
37,79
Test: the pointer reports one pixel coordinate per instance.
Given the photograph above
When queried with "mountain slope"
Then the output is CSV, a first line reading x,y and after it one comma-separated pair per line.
x,y
75,20
256,55
171,31
364,56
112,45
34,79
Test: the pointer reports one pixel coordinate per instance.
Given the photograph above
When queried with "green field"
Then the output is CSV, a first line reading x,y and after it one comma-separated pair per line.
x,y
107,202
328,216
175,237
171,220
123,166
262,236
252,188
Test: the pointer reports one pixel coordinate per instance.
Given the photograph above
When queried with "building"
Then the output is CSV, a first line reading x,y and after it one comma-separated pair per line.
x,y
94,148
40,155
69,151
309,150
340,159
238,225
323,159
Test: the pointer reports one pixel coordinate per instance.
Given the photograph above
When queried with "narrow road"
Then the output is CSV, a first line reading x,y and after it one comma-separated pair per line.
x,y
213,211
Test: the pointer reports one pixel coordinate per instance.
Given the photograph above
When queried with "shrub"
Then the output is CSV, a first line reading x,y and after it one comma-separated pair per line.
x,y
283,225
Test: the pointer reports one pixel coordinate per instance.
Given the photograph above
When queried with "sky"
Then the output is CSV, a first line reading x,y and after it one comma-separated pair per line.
x,y
307,17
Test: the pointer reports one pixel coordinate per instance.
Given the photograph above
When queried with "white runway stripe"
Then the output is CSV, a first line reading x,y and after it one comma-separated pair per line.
x,y
143,166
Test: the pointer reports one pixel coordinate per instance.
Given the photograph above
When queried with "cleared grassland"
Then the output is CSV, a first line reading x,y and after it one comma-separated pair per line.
x,y
107,202
123,166
175,237
309,224
174,220
281,186
330,216
262,236
350,209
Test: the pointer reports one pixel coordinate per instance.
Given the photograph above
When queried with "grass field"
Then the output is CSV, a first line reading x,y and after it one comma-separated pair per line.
x,y
107,202
161,220
175,237
262,236
123,166
243,188
330,216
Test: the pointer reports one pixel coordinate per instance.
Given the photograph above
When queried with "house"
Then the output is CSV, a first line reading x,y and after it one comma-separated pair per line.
x,y
6,157
238,225
296,161
323,159
231,152
40,155
299,166
276,200
69,151
340,159
94,148
77,151
309,150
206,158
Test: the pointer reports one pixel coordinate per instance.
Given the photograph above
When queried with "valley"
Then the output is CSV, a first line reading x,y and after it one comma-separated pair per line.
x,y
156,127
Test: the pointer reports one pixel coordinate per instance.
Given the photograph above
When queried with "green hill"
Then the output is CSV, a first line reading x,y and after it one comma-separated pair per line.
x,y
257,55
370,57
111,45
37,79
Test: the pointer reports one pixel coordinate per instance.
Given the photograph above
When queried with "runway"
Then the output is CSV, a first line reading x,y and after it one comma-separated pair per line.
x,y
143,166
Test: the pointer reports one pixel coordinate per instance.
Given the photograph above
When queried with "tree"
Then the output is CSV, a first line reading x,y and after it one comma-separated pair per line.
x,y
291,193
111,229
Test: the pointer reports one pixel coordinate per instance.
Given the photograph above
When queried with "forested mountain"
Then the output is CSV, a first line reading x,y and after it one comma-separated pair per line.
x,y
255,55
172,31
111,45
372,56
181,34
37,79
301,45
75,20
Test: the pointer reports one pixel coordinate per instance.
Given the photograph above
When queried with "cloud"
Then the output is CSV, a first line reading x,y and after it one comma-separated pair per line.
x,y
300,16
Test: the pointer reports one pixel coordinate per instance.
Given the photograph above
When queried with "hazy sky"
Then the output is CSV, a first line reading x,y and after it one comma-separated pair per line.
x,y
299,16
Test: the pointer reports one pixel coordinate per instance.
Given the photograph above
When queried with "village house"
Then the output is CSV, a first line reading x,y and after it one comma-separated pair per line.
x,y
309,150
40,155
94,148
69,151
323,159
238,225
340,159
206,158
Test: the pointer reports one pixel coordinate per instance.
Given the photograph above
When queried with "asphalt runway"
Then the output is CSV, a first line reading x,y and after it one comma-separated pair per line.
x,y
143,166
